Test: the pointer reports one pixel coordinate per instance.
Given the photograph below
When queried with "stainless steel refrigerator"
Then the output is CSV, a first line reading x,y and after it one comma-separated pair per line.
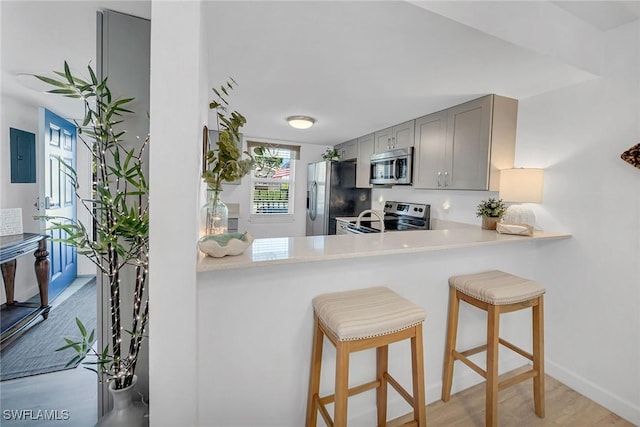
x,y
332,192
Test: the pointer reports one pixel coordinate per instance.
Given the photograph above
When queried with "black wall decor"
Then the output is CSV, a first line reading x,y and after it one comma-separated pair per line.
x,y
632,155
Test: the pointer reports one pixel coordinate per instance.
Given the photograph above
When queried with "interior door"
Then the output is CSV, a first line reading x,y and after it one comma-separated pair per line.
x,y
57,196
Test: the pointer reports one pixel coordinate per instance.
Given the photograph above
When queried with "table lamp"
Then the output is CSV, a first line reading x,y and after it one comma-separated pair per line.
x,y
521,185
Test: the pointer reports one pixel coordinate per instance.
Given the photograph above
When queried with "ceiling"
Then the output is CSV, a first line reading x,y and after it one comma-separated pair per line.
x,y
356,67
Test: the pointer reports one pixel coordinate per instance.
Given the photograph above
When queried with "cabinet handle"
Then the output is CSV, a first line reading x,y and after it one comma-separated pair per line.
x,y
446,174
439,176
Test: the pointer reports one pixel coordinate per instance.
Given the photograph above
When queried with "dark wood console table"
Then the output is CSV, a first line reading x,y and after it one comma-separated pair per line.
x,y
16,316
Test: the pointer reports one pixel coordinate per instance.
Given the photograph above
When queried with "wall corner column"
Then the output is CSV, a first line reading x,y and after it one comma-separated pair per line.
x,y
174,166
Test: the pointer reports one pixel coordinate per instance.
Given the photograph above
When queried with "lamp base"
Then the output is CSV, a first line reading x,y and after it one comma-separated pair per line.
x,y
519,214
518,219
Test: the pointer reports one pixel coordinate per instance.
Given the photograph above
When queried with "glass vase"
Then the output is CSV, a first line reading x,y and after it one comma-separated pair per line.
x,y
214,214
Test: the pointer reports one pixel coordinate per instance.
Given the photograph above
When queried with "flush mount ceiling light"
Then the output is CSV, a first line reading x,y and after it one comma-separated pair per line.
x,y
301,122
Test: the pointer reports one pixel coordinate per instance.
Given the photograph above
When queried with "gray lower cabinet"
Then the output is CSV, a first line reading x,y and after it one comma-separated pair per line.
x,y
464,147
363,168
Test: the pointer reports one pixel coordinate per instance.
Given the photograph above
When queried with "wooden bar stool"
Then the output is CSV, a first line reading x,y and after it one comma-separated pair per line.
x,y
358,320
496,292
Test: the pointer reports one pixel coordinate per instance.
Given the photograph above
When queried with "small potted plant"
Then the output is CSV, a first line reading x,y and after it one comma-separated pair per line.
x,y
331,154
491,211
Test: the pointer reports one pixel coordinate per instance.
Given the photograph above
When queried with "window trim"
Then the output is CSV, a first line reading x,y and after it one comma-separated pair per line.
x,y
255,217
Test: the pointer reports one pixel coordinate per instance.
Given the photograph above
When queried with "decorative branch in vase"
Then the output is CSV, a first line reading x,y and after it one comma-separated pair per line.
x,y
224,162
119,211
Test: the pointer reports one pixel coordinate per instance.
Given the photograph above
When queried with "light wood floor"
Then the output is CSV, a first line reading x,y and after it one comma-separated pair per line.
x,y
564,407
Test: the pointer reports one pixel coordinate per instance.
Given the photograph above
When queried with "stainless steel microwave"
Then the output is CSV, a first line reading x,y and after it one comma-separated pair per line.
x,y
392,167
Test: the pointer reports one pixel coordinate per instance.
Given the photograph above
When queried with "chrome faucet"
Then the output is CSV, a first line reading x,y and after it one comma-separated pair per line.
x,y
371,212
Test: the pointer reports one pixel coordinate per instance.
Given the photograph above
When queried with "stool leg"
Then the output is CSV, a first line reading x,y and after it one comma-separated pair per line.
x,y
382,361
342,384
450,345
538,357
417,364
493,335
314,374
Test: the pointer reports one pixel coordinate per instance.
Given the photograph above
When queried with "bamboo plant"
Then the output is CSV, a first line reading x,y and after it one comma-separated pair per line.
x,y
118,209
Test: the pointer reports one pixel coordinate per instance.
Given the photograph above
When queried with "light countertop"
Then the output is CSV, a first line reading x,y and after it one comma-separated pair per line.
x,y
289,250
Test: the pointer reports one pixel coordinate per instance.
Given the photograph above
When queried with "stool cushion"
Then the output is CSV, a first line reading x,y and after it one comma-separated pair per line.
x,y
496,287
366,313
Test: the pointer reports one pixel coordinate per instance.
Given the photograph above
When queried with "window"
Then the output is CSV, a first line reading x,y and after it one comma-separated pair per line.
x,y
272,178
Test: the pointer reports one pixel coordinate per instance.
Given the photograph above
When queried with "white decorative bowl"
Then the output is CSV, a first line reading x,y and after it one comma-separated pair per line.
x,y
219,245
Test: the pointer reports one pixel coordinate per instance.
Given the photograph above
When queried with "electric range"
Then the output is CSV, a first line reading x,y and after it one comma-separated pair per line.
x,y
398,216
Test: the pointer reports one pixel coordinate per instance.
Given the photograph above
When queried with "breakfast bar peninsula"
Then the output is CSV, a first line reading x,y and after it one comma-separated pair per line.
x,y
255,316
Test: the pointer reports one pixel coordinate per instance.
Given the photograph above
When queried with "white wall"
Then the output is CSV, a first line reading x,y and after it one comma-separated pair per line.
x,y
19,115
178,113
277,226
577,134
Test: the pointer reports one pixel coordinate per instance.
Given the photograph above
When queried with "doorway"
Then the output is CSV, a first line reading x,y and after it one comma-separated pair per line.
x,y
57,187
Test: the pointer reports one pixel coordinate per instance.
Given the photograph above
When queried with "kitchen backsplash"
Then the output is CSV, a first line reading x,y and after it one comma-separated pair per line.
x,y
457,206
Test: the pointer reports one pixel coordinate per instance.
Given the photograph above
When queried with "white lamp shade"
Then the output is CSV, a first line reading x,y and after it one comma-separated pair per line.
x,y
521,185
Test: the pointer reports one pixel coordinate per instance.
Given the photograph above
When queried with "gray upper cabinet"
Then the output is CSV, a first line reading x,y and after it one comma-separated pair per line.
x,y
363,169
464,147
429,151
348,150
398,136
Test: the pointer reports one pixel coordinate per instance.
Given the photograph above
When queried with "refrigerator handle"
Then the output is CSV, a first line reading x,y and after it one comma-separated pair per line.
x,y
314,201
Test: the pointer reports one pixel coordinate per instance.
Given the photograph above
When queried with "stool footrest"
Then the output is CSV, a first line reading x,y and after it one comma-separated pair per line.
x,y
517,379
401,391
330,398
325,400
461,357
474,350
322,401
323,411
515,348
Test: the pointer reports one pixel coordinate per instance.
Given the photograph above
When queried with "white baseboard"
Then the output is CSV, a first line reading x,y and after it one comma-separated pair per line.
x,y
615,404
